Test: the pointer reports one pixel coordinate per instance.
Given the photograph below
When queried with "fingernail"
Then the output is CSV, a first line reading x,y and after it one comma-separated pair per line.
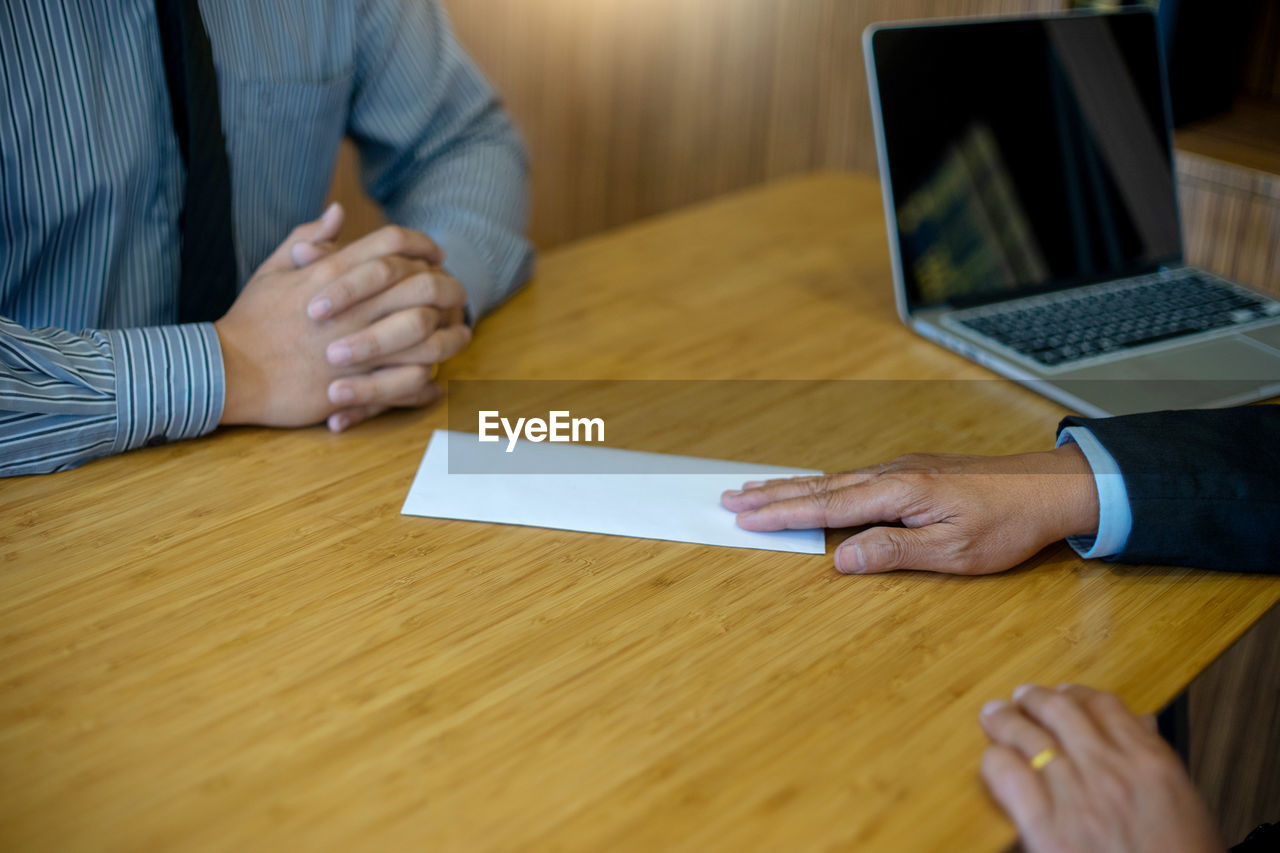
x,y
850,555
338,423
844,559
754,484
1021,691
331,210
342,394
993,706
732,494
319,308
339,352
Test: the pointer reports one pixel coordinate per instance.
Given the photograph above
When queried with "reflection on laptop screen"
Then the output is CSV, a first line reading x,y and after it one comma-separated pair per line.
x,y
1026,155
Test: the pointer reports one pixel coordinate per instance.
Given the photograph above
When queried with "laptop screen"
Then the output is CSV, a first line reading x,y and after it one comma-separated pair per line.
x,y
1025,155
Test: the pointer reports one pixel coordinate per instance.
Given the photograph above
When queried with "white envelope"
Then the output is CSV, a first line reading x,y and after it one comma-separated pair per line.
x,y
679,503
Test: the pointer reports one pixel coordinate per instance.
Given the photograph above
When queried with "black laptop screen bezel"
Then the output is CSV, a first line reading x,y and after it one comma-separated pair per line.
x,y
909,298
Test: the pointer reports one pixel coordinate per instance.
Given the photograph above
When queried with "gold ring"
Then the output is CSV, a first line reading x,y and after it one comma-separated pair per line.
x,y
1043,757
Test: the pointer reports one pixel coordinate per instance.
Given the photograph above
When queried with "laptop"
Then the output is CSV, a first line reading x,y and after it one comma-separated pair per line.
x,y
1033,219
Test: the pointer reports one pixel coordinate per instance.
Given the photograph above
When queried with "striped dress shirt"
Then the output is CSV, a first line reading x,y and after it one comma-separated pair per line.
x,y
92,360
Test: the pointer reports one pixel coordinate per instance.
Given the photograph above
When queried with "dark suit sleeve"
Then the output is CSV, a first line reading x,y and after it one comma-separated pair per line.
x,y
1203,486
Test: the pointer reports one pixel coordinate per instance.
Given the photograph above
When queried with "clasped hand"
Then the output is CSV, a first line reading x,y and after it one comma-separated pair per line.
x,y
340,335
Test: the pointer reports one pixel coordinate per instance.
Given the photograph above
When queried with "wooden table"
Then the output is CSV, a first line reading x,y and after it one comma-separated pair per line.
x,y
239,642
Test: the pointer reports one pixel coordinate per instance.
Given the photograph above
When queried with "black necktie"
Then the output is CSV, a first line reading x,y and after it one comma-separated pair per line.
x,y
209,274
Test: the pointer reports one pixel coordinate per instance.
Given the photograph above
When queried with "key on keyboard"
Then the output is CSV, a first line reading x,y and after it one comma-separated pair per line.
x,y
1105,320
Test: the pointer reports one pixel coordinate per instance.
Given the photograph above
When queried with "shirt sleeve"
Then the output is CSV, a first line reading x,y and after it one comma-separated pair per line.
x,y
66,398
436,149
1200,485
1115,517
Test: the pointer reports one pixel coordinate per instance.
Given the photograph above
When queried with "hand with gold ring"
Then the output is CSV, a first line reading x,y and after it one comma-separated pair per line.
x,y
1043,757
1078,772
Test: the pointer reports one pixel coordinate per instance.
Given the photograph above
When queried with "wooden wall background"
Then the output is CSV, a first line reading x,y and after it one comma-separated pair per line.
x,y
634,107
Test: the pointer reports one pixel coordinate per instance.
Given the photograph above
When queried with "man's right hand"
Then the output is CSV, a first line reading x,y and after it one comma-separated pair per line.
x,y
964,515
275,351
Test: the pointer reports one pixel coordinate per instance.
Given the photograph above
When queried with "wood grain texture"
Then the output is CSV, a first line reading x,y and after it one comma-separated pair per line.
x,y
238,642
1231,219
1235,731
634,107
1248,136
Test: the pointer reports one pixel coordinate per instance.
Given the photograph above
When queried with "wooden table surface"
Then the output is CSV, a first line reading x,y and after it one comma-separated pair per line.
x,y
239,643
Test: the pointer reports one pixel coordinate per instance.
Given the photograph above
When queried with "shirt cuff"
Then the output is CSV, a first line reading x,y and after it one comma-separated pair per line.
x,y
1115,518
463,261
169,383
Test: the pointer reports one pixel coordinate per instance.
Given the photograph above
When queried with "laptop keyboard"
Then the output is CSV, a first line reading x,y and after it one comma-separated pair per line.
x,y
1099,320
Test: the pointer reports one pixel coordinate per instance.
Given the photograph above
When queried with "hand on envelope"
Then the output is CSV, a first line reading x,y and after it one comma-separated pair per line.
x,y
965,515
